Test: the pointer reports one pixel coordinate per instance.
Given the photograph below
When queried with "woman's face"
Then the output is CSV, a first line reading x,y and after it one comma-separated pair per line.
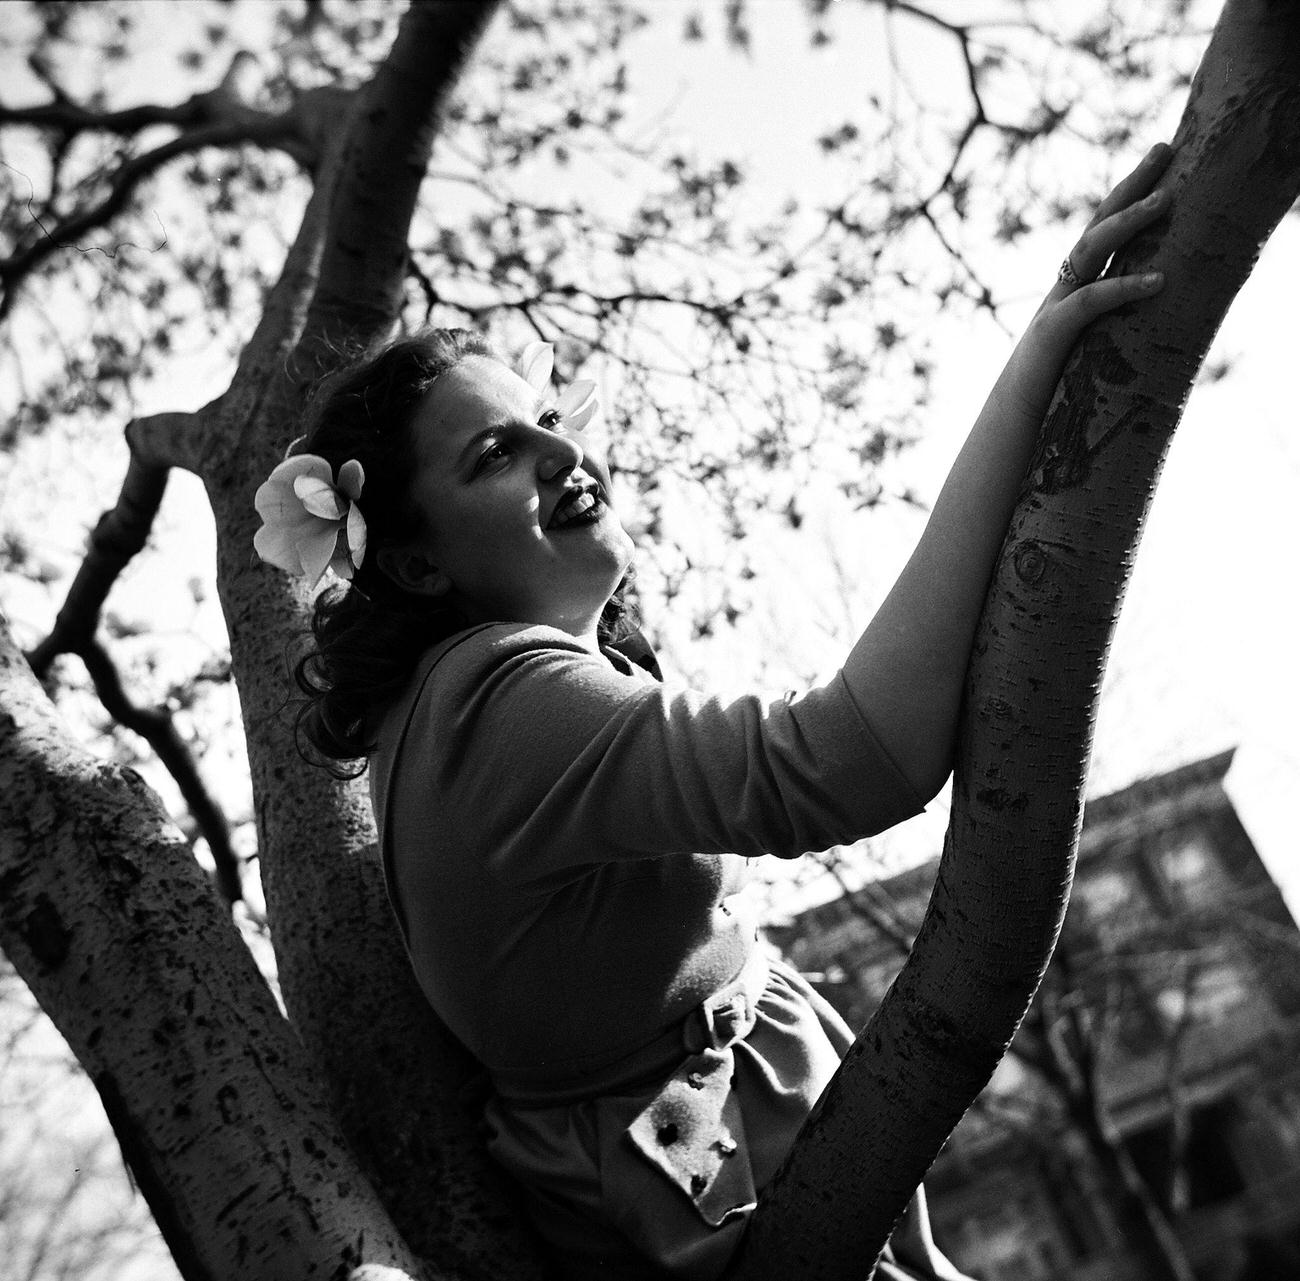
x,y
518,526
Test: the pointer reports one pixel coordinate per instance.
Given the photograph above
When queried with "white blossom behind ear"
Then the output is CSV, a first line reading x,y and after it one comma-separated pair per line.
x,y
310,522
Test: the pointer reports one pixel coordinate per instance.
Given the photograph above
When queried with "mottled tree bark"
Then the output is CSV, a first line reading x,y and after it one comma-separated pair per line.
x,y
117,931
1036,672
400,1085
392,1077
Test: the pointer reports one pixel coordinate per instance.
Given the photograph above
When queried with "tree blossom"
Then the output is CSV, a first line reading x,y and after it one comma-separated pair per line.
x,y
311,523
577,404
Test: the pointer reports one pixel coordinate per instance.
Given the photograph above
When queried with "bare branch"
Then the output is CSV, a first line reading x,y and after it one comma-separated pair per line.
x,y
273,130
227,102
70,118
220,117
157,727
119,535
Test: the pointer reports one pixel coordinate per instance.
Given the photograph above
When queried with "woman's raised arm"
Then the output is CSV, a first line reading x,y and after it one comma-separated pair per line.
x,y
908,668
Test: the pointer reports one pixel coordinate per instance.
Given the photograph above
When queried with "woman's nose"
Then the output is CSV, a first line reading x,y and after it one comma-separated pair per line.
x,y
559,453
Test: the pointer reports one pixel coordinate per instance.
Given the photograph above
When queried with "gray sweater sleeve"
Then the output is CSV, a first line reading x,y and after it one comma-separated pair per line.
x,y
559,761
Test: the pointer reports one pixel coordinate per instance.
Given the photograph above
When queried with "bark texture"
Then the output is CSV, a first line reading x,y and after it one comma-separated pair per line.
x,y
403,1090
375,1060
1036,673
109,920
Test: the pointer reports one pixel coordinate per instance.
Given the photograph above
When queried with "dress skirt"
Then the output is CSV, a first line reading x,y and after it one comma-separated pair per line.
x,y
658,1176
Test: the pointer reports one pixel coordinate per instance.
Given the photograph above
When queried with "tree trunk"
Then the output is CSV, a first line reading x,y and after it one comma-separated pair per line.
x,y
265,1185
1036,672
402,1088
111,923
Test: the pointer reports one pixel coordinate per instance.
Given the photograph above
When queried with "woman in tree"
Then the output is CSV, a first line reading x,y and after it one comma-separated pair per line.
x,y
564,835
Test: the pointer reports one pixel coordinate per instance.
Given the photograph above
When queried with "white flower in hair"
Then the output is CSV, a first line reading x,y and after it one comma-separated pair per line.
x,y
577,404
311,522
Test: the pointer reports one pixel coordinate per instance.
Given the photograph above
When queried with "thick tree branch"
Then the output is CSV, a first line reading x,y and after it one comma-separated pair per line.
x,y
401,1086
120,533
266,364
116,931
1035,674
388,149
160,442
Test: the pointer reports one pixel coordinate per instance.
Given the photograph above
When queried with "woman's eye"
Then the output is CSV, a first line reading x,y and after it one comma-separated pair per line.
x,y
492,454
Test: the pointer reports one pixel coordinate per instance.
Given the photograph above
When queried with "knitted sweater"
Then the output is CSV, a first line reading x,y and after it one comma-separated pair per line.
x,y
564,836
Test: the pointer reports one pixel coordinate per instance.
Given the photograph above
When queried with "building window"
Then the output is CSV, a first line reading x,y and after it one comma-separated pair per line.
x,y
1193,872
1107,897
1220,992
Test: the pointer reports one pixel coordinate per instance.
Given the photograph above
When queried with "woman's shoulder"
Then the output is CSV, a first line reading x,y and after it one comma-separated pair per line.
x,y
504,677
494,652
446,673
491,644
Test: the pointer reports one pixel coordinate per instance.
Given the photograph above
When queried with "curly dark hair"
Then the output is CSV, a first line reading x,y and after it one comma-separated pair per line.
x,y
370,634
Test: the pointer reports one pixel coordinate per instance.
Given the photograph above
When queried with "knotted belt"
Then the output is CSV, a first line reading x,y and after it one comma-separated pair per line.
x,y
678,1091
692,1127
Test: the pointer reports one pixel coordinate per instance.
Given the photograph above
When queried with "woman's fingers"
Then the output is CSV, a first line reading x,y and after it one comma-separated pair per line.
x,y
1087,302
1130,207
1128,191
1101,239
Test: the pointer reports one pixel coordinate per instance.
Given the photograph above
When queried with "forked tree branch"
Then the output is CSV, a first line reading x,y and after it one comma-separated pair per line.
x,y
217,118
119,535
388,147
157,727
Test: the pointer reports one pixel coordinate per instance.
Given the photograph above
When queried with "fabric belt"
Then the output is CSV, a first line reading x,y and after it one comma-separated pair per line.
x,y
720,1020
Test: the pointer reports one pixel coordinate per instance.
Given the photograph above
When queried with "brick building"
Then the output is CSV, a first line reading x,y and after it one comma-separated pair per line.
x,y
1153,1091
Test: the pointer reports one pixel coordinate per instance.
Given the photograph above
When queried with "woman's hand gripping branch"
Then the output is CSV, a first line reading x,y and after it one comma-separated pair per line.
x,y
908,668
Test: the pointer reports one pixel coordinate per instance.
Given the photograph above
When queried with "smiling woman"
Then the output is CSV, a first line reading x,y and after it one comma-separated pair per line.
x,y
565,836
516,521
370,428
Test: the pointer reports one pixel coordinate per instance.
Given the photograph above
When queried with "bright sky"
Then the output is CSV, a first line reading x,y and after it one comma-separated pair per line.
x,y
1203,659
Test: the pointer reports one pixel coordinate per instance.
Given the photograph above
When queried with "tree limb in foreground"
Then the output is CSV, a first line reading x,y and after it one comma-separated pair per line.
x,y
1035,676
109,921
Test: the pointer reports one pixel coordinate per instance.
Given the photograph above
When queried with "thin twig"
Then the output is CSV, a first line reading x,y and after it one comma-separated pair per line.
x,y
157,727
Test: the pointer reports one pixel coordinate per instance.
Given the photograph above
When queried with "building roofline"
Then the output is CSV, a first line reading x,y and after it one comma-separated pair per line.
x,y
1159,787
1161,798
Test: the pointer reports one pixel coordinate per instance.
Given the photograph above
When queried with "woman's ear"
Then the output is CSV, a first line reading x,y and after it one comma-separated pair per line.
x,y
413,572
